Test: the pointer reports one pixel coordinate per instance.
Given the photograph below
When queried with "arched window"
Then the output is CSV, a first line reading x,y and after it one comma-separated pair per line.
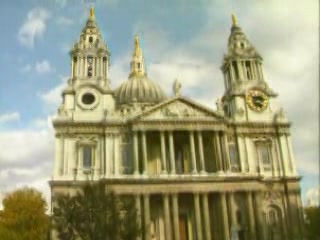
x,y
274,223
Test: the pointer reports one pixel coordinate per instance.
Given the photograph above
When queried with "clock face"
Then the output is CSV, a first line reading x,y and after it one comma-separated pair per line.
x,y
257,100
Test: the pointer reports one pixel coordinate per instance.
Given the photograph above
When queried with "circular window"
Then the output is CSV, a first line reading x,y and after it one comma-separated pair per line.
x,y
88,98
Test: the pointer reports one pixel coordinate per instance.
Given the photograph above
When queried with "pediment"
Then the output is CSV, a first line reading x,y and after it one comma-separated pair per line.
x,y
178,108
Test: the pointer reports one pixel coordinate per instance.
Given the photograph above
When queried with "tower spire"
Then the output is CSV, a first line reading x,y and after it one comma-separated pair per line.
x,y
137,50
91,16
234,20
137,63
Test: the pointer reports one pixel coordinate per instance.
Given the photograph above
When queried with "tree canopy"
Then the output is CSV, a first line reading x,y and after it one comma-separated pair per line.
x,y
94,213
312,223
24,215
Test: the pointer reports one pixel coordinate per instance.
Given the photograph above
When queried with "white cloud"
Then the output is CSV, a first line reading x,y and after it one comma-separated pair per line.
x,y
42,123
64,21
9,117
33,27
52,98
312,196
24,147
26,159
27,68
43,67
40,67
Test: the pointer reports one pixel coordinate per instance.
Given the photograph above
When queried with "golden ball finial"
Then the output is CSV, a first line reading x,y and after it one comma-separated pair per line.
x,y
234,20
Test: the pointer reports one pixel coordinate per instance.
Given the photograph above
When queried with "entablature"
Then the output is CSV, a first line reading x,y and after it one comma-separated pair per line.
x,y
259,128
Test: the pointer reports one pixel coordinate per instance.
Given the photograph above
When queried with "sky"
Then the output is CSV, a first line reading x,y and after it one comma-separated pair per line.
x,y
182,39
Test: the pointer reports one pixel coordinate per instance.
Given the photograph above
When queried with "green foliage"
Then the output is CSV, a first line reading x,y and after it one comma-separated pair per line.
x,y
23,216
93,214
312,223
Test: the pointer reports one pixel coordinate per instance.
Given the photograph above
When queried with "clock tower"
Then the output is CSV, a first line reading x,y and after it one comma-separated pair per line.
x,y
247,95
86,101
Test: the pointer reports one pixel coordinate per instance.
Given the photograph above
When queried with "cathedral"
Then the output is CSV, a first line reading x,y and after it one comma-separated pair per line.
x,y
196,173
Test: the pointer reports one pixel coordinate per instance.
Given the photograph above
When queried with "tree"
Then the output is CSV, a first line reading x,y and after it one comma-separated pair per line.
x,y
94,213
312,223
24,215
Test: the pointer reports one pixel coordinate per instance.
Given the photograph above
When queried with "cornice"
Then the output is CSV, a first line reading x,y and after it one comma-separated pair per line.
x,y
252,128
179,124
72,90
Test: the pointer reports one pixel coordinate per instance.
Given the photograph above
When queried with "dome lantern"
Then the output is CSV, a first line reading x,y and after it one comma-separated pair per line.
x,y
138,89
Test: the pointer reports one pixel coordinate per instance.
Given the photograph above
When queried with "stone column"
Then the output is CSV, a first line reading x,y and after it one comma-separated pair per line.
x,y
232,74
200,143
254,63
72,67
171,148
97,161
81,66
100,66
300,213
163,153
206,216
225,151
224,215
197,215
116,140
97,66
260,71
176,230
232,209
286,222
252,234
240,70
135,153
146,201
282,159
66,157
58,168
193,153
138,207
144,153
108,154
167,221
78,67
218,151
103,156
258,217
85,66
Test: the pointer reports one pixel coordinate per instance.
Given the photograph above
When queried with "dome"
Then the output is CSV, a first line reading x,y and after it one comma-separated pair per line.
x,y
139,88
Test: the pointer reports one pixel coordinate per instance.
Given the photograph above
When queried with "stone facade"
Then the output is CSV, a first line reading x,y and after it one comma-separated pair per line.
x,y
196,173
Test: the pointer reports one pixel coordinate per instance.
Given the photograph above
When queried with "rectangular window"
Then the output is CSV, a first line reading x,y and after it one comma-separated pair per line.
x,y
87,156
264,155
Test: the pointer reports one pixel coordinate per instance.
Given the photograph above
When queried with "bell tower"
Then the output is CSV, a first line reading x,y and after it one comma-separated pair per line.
x,y
247,95
87,101
90,56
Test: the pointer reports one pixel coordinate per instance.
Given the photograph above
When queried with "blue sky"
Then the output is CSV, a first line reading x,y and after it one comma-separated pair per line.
x,y
182,39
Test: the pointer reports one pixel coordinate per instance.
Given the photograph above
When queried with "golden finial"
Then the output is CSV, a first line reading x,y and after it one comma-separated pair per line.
x,y
234,20
137,51
91,12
